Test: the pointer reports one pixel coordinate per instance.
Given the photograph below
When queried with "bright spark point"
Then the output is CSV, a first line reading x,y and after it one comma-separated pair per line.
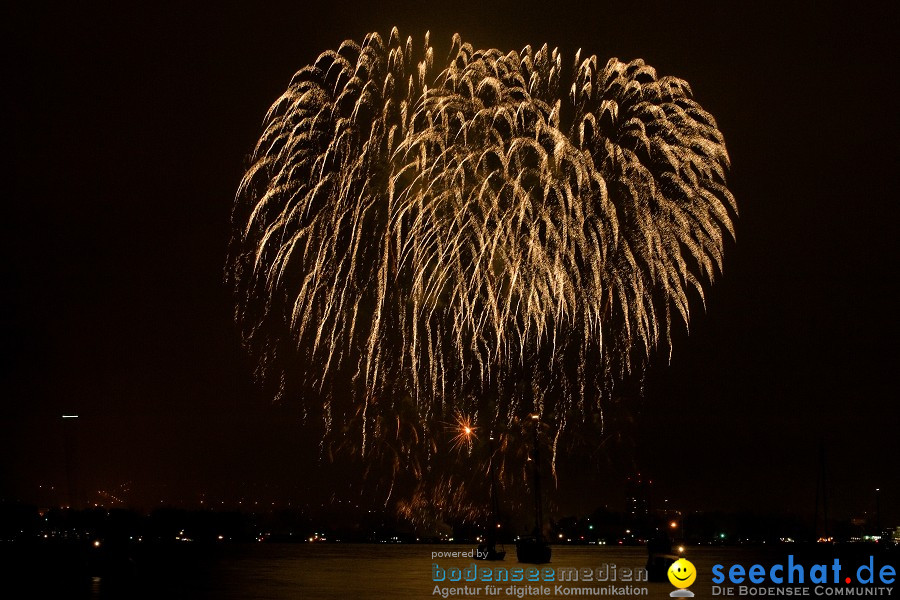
x,y
465,433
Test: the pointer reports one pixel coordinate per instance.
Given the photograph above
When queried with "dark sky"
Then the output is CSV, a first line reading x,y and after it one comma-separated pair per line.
x,y
128,128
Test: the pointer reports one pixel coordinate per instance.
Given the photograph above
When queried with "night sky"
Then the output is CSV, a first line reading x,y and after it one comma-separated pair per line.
x,y
128,130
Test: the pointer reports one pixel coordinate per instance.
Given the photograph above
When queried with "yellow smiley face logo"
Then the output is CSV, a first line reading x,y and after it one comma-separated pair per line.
x,y
682,573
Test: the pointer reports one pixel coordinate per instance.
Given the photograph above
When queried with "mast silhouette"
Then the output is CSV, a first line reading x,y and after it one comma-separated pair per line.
x,y
821,492
495,503
535,549
538,505
488,550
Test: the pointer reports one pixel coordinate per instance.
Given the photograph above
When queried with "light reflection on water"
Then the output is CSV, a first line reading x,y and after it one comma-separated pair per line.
x,y
348,571
340,571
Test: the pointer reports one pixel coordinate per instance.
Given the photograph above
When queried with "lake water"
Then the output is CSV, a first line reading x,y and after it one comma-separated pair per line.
x,y
349,571
384,571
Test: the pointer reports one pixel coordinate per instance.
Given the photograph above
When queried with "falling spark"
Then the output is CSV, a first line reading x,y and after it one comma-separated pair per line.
x,y
494,237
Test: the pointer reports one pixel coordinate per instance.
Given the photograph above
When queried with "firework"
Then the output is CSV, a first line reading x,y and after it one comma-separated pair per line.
x,y
492,237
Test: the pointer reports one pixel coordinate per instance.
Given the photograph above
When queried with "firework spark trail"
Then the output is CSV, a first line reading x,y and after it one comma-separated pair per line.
x,y
470,232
